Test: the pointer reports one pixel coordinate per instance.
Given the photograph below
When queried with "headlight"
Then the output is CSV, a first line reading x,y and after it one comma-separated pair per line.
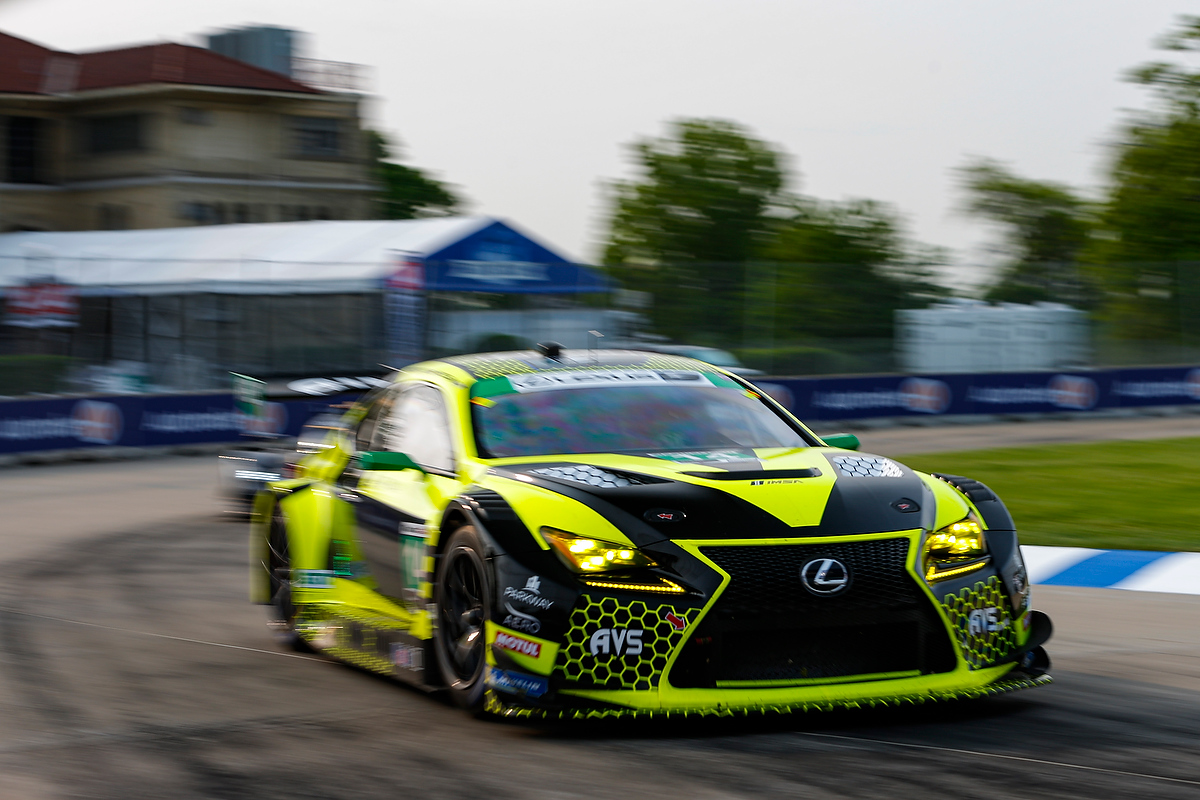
x,y
583,554
955,550
591,556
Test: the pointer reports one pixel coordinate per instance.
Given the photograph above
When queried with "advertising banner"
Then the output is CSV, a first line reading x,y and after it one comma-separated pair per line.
x,y
404,310
144,421
157,420
989,393
42,305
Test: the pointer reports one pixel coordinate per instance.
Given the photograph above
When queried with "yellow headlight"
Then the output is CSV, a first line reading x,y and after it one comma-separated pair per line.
x,y
593,555
955,550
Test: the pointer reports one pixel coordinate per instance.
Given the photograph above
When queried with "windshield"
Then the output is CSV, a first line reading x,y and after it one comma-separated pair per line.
x,y
607,410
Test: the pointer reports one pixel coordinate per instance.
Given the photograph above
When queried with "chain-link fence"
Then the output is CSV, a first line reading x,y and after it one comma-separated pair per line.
x,y
779,319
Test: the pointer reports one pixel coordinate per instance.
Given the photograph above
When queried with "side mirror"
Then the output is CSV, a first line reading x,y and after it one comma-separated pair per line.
x,y
382,460
846,441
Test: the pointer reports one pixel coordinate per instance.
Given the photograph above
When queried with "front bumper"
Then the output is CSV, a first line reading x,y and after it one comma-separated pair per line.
x,y
757,642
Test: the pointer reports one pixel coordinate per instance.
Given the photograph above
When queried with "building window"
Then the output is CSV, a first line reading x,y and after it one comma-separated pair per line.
x,y
21,159
190,115
205,213
115,217
122,133
317,137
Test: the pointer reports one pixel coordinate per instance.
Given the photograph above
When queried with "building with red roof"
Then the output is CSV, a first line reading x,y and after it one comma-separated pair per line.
x,y
170,135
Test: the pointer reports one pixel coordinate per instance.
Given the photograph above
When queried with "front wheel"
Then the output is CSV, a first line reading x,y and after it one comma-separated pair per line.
x,y
283,610
463,604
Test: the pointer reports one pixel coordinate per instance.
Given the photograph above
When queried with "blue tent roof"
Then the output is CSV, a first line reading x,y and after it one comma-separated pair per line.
x,y
499,259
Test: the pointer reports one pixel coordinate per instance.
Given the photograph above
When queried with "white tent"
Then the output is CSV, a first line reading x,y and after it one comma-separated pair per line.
x,y
266,258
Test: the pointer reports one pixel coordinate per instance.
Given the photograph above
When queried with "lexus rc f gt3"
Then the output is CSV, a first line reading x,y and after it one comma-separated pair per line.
x,y
579,534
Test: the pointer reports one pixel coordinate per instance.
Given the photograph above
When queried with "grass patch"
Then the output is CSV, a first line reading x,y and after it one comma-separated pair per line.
x,y
1142,495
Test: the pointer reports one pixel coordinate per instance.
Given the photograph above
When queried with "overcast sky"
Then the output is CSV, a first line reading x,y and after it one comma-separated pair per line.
x,y
527,105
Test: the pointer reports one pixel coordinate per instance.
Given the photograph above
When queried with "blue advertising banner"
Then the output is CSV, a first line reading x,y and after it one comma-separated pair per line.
x,y
157,420
988,393
146,421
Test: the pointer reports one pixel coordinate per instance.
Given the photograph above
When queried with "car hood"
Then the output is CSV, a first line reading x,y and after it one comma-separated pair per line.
x,y
737,493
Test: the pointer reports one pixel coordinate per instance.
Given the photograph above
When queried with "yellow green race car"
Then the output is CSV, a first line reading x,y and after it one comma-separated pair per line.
x,y
600,533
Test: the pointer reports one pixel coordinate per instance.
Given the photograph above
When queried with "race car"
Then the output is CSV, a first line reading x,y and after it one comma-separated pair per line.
x,y
601,533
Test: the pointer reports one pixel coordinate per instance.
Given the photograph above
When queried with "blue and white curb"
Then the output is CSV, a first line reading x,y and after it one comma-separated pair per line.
x,y
1139,570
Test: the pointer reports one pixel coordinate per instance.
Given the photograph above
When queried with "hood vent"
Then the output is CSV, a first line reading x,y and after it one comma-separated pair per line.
x,y
588,475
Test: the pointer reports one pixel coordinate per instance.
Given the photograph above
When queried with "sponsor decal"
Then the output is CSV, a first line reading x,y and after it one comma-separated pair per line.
x,y
1008,395
855,400
616,641
518,644
415,529
925,395
516,682
676,623
664,515
825,577
96,422
271,422
45,304
1074,392
530,595
1188,387
312,578
497,272
521,622
26,428
545,381
407,656
191,421
985,620
775,481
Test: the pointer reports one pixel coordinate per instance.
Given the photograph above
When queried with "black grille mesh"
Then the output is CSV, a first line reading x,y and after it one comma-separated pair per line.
x,y
767,627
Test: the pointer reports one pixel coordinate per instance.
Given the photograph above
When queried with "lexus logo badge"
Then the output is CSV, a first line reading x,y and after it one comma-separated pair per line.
x,y
825,577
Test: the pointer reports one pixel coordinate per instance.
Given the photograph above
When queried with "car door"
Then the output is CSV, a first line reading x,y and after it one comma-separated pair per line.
x,y
394,508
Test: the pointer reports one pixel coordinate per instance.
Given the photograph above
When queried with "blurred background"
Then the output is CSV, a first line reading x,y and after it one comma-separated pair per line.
x,y
171,212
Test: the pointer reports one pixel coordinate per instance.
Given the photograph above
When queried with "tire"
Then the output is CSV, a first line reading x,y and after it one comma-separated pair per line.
x,y
282,610
464,603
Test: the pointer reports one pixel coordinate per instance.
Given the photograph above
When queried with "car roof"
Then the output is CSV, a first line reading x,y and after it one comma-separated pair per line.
x,y
523,362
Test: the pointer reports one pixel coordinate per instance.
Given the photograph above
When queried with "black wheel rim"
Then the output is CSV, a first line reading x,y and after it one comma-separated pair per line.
x,y
279,566
462,613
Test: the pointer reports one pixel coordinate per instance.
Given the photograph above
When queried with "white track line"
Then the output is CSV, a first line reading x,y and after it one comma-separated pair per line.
x,y
164,636
1178,574
1001,755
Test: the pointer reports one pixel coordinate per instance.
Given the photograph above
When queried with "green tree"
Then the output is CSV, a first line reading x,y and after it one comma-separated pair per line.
x,y
842,269
1149,247
407,192
1045,227
694,218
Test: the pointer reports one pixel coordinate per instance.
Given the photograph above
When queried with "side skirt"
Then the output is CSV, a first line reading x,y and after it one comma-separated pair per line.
x,y
379,644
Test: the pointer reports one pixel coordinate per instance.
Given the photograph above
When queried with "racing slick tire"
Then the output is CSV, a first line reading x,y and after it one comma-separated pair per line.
x,y
283,611
463,604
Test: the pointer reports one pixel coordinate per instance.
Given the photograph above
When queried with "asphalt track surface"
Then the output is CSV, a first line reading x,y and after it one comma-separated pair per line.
x,y
132,666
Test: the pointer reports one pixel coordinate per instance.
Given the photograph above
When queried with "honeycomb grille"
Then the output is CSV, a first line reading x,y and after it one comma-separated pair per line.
x,y
985,639
767,627
585,670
